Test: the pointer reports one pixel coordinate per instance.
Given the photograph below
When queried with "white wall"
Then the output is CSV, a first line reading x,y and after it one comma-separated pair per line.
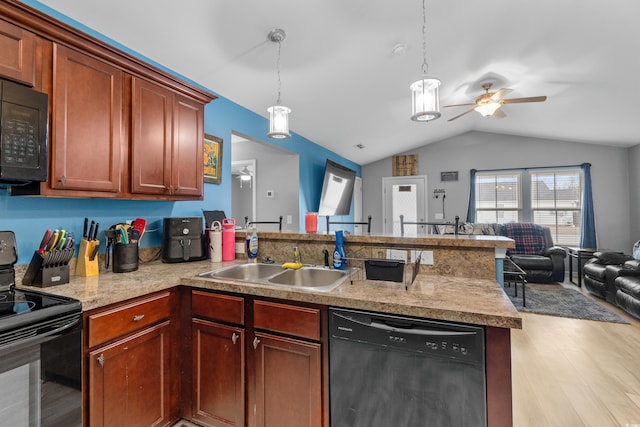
x,y
276,170
479,150
634,194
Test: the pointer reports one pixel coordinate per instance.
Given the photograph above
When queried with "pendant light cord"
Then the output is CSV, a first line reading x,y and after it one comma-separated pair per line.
x,y
278,71
424,39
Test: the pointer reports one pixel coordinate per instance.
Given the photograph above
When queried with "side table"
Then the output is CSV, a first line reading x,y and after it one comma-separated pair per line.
x,y
514,274
580,255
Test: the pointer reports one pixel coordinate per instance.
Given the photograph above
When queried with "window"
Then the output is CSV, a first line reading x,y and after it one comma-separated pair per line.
x,y
555,203
498,197
549,197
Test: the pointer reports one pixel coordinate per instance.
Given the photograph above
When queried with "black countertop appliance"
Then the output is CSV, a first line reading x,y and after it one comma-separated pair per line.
x,y
183,239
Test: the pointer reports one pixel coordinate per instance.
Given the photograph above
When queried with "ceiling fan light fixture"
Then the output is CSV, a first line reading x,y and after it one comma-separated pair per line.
x,y
278,114
488,108
425,99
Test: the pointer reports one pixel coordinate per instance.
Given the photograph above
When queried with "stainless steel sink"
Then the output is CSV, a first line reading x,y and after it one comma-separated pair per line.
x,y
308,277
245,272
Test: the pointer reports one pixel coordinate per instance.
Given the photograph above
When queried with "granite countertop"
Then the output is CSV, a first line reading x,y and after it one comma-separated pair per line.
x,y
443,240
475,301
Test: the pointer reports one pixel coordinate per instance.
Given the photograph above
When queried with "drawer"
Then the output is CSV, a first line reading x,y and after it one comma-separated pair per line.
x,y
119,321
288,319
224,308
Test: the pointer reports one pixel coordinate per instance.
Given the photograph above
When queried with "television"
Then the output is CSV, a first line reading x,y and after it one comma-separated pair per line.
x,y
337,189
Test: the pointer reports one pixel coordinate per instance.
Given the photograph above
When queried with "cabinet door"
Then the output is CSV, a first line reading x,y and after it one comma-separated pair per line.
x,y
218,374
187,156
87,115
129,380
17,53
151,138
288,382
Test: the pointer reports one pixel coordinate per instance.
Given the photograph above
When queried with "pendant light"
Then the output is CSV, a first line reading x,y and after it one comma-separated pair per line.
x,y
425,93
278,114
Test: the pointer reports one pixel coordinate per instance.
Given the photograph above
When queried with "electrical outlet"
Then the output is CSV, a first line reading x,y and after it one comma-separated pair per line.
x,y
397,254
289,219
426,257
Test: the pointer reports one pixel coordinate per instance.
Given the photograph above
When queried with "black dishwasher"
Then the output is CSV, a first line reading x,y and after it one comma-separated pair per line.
x,y
400,371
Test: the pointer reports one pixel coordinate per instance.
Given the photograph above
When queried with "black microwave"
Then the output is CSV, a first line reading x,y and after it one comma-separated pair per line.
x,y
23,134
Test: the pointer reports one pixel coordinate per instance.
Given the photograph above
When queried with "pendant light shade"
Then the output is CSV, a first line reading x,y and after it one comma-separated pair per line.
x,y
278,114
278,122
425,99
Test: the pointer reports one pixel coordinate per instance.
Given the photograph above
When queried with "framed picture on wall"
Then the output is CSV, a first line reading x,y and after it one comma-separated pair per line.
x,y
212,159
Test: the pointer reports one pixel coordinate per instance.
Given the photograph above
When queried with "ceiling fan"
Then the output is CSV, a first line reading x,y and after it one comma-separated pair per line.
x,y
488,104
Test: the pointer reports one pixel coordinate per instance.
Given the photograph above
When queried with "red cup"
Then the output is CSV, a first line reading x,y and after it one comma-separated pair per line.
x,y
311,222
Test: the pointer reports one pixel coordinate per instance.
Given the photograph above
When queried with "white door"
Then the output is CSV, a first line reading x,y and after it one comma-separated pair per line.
x,y
357,207
404,195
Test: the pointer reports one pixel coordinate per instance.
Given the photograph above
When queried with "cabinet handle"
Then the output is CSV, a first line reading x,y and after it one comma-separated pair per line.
x,y
256,341
138,317
234,337
63,180
101,359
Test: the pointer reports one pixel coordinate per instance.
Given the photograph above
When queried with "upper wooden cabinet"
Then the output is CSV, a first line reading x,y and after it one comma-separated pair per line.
x,y
17,53
86,123
166,147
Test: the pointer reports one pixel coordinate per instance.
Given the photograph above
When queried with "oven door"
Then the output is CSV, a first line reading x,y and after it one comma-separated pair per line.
x,y
40,377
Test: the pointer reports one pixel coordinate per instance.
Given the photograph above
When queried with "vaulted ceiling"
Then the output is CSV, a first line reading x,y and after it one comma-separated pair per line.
x,y
346,66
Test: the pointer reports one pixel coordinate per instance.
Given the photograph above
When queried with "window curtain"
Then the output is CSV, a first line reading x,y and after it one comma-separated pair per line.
x,y
471,210
587,217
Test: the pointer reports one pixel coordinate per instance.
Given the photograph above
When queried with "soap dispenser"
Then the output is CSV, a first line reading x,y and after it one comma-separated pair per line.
x,y
252,245
339,257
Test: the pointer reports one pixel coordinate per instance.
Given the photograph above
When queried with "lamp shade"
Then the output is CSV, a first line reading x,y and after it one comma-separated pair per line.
x,y
425,99
487,108
278,122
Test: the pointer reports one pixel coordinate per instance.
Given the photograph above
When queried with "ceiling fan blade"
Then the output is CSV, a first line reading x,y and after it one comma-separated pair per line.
x,y
499,114
460,115
500,93
521,100
458,105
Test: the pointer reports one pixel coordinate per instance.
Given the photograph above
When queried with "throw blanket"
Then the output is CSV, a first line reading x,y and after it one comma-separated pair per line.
x,y
529,237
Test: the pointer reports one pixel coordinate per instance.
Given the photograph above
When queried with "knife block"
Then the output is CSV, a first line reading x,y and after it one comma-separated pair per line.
x,y
85,266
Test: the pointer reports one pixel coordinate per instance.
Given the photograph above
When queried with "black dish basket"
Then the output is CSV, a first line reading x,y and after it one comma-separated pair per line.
x,y
391,270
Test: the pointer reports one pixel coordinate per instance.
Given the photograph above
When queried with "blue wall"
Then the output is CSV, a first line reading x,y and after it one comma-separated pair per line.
x,y
29,217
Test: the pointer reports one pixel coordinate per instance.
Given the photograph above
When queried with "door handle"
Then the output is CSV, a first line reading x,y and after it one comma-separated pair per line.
x,y
234,337
256,341
101,360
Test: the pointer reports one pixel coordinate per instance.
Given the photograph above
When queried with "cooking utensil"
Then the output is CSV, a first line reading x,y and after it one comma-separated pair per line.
x,y
140,224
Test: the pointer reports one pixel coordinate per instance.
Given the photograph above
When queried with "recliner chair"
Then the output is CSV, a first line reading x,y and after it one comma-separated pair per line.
x,y
600,273
535,252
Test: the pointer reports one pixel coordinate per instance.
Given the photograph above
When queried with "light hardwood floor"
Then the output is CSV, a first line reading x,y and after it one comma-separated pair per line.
x,y
573,373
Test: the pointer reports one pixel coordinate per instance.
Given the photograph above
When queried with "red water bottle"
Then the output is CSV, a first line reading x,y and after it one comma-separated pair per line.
x,y
228,239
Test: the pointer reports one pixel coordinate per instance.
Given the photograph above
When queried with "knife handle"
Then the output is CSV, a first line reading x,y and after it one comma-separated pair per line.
x,y
86,226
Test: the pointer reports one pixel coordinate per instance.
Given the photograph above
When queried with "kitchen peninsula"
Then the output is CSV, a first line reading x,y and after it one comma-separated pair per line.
x,y
188,323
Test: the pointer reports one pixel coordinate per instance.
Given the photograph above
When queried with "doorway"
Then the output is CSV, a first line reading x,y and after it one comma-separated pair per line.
x,y
404,195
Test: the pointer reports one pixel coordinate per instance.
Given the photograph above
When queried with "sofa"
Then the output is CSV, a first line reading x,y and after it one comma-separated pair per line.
x,y
535,252
600,273
627,285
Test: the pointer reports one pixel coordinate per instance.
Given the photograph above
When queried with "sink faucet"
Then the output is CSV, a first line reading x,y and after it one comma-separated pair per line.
x,y
296,254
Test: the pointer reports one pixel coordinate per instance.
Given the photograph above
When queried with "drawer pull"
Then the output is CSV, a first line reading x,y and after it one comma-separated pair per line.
x,y
101,359
138,317
234,337
256,341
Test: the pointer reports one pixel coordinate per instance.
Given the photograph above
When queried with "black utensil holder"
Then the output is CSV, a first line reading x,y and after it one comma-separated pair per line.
x,y
46,270
125,257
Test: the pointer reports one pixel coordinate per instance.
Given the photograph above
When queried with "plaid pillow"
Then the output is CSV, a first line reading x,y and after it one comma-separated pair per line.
x,y
529,237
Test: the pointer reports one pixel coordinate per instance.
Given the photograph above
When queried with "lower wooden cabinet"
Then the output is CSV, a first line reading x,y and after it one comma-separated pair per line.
x,y
288,382
262,369
129,380
218,374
